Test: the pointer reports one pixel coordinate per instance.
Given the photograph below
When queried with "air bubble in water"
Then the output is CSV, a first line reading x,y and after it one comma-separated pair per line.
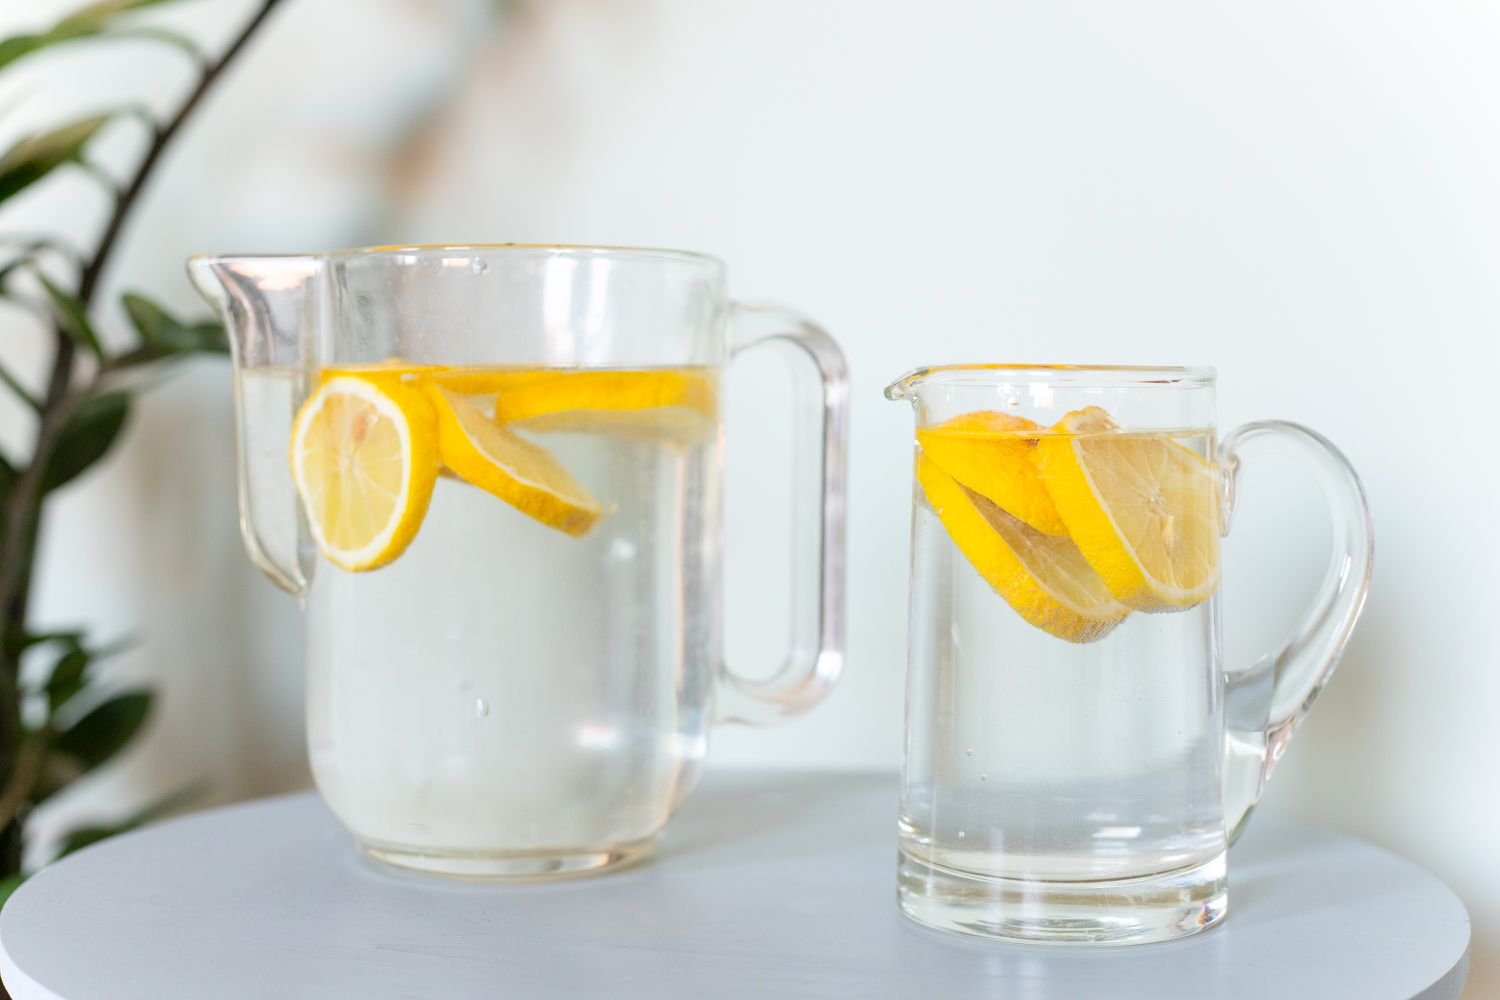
x,y
969,752
479,265
481,708
960,835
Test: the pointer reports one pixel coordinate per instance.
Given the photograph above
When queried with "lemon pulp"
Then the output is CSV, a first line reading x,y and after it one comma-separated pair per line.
x,y
364,461
1143,509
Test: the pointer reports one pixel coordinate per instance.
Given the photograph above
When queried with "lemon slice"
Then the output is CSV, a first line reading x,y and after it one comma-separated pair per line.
x,y
991,453
364,456
489,456
1043,577
1143,509
674,405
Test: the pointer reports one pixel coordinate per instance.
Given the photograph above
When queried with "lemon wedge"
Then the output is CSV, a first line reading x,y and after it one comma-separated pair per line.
x,y
364,456
991,453
488,455
1143,509
666,404
1043,577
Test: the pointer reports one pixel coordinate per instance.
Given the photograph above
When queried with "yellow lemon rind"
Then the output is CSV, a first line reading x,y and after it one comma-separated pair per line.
x,y
531,480
991,453
662,405
417,430
1096,533
977,538
533,393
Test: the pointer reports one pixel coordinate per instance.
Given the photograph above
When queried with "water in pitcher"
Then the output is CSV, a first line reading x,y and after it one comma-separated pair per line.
x,y
1064,718
526,670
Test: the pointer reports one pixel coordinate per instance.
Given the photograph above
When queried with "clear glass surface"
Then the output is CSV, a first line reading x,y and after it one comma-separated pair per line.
x,y
1067,779
505,699
505,686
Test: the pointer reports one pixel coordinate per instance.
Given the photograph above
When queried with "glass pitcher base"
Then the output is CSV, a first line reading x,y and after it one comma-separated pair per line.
x,y
515,866
1128,911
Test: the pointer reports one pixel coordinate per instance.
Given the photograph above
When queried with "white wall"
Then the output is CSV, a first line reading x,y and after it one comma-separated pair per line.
x,y
1302,194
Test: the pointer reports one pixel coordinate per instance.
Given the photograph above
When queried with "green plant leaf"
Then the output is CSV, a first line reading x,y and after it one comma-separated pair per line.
x,y
36,156
17,641
67,677
21,392
104,730
78,839
86,437
92,834
17,46
38,638
163,335
97,15
10,884
166,36
87,22
69,673
71,316
15,264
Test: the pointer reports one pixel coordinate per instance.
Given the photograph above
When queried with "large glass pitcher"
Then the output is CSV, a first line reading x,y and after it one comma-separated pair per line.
x,y
492,475
1078,758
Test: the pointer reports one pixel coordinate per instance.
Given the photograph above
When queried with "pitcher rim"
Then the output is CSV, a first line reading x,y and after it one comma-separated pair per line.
x,y
666,253
1084,375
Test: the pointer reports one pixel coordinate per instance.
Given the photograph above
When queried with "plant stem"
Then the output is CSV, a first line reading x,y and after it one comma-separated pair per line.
x,y
22,515
23,776
57,403
89,282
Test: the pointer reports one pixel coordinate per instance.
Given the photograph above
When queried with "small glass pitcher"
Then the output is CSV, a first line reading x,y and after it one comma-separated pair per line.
x,y
1078,759
492,475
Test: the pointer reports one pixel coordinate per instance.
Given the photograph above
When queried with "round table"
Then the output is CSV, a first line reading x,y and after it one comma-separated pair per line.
x,y
766,885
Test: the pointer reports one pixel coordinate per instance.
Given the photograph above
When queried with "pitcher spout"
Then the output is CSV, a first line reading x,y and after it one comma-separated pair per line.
x,y
271,308
902,388
267,304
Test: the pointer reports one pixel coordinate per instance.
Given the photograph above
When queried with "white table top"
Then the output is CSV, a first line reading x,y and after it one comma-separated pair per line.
x,y
767,885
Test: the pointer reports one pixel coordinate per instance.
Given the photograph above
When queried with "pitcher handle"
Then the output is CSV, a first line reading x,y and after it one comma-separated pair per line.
x,y
1265,702
819,484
